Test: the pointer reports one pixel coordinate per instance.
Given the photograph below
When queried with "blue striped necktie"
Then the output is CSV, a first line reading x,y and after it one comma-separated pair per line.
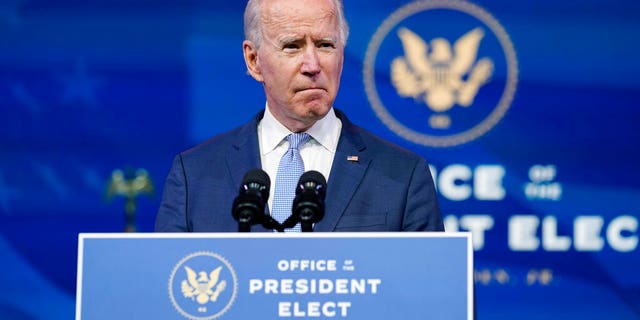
x,y
290,169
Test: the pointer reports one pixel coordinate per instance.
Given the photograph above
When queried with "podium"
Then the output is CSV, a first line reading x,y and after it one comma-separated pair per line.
x,y
273,275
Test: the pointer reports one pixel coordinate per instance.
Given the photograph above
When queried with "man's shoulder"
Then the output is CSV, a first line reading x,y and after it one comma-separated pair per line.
x,y
385,147
377,145
220,144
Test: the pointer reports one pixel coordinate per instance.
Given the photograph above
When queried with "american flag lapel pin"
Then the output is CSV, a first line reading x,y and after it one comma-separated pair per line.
x,y
352,158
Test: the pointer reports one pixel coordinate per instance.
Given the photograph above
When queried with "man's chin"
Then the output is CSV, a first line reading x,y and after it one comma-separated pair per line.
x,y
316,110
311,112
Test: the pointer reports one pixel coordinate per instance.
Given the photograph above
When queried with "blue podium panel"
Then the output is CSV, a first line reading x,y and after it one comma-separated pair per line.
x,y
271,276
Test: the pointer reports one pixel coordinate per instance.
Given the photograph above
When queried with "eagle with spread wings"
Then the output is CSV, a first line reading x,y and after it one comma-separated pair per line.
x,y
200,286
438,76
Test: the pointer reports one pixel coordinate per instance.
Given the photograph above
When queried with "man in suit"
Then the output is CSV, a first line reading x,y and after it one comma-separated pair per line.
x,y
295,49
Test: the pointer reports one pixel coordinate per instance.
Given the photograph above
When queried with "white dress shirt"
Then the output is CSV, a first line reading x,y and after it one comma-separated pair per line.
x,y
317,153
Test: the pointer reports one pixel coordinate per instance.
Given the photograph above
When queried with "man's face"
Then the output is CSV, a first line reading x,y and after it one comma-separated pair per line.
x,y
299,60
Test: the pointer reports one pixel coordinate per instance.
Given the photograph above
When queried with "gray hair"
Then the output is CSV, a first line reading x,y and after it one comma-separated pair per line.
x,y
253,30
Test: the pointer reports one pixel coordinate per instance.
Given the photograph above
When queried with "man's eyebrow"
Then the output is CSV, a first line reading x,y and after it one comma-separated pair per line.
x,y
288,39
329,39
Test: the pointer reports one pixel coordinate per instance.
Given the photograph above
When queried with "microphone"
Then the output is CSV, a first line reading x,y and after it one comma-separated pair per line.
x,y
308,205
248,206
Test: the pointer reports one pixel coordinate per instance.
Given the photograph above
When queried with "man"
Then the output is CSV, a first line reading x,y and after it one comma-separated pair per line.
x,y
295,48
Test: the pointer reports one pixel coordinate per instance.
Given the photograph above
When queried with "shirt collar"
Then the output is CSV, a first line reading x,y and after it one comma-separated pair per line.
x,y
325,131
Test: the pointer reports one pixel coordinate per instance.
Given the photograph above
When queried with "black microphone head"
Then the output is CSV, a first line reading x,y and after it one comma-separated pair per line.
x,y
257,175
256,179
308,204
248,206
312,180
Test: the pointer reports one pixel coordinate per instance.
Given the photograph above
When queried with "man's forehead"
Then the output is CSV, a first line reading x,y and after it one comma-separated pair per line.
x,y
278,5
294,37
297,28
291,10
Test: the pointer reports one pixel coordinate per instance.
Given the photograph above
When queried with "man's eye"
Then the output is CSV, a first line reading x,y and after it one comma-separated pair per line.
x,y
327,45
290,46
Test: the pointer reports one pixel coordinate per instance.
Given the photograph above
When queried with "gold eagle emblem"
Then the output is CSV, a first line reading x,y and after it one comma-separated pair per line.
x,y
129,186
437,76
200,286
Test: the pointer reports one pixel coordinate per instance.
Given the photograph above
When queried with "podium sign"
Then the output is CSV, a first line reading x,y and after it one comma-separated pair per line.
x,y
271,276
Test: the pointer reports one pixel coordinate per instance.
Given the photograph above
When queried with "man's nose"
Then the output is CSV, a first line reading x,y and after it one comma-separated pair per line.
x,y
310,62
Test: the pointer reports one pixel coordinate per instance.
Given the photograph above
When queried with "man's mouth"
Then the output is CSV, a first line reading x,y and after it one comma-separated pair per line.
x,y
311,90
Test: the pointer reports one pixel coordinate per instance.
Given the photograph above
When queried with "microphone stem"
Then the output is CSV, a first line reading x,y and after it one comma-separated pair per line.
x,y
244,227
306,226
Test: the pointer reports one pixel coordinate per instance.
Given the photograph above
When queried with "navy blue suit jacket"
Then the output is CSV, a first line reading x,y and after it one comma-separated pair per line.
x,y
387,189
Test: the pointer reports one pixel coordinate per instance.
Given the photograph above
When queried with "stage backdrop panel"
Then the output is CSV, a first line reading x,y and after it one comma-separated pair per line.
x,y
526,110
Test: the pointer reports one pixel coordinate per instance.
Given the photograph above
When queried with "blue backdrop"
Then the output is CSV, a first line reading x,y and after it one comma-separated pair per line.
x,y
533,142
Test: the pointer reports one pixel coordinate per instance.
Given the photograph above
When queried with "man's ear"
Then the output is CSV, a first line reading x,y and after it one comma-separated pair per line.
x,y
251,60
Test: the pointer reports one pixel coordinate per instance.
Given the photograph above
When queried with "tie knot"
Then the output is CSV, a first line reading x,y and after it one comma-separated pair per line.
x,y
296,140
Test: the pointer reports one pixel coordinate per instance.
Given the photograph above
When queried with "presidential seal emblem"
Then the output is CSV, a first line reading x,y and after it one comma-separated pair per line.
x,y
440,73
203,286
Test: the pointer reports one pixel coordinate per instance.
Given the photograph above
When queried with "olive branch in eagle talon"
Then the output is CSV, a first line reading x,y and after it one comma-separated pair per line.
x,y
437,77
201,287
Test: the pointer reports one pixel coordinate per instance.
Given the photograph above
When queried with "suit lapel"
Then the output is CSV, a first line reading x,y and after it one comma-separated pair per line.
x,y
244,156
347,171
245,152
